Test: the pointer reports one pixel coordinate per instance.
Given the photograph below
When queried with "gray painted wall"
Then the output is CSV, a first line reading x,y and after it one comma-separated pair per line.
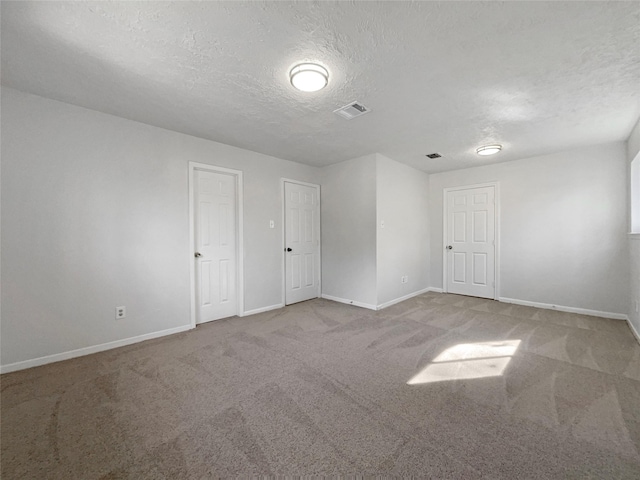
x,y
633,150
563,227
95,215
634,284
403,244
361,261
349,230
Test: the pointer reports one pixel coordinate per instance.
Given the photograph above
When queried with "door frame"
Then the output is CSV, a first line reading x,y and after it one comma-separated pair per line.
x,y
445,231
193,166
284,236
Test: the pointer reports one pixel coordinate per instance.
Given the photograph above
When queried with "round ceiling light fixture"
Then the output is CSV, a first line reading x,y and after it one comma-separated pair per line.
x,y
309,77
488,149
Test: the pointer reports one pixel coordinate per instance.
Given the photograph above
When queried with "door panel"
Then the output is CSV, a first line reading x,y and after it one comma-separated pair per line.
x,y
459,226
215,214
302,236
459,267
470,262
295,271
309,270
480,226
479,268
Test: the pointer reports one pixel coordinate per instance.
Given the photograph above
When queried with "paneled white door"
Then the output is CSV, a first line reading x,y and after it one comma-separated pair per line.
x,y
302,242
215,246
470,250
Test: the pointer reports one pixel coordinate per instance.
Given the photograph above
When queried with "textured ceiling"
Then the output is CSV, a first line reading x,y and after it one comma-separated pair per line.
x,y
442,77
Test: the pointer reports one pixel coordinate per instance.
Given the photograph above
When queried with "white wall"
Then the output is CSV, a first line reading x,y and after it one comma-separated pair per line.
x,y
95,215
403,243
563,223
634,284
349,230
633,141
633,150
362,262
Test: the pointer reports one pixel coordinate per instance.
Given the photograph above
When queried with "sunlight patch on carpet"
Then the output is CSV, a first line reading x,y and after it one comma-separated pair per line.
x,y
468,360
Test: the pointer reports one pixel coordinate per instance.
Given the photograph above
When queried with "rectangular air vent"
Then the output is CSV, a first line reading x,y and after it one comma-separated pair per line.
x,y
353,110
434,155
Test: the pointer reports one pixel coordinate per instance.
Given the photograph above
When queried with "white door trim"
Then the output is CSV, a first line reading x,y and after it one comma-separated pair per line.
x,y
284,235
445,230
193,166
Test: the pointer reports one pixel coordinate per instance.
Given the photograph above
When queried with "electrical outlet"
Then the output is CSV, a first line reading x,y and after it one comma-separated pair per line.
x,y
121,312
404,279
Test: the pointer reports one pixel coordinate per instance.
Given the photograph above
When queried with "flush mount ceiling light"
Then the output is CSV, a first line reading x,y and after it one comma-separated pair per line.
x,y
488,149
309,77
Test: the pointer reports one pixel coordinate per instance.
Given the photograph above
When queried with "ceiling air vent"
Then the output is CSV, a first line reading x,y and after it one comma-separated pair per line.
x,y
434,155
353,110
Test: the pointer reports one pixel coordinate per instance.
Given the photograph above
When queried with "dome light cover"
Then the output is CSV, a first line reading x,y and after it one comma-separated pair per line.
x,y
488,149
309,77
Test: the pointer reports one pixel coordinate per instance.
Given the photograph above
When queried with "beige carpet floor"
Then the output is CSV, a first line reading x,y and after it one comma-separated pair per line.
x,y
440,386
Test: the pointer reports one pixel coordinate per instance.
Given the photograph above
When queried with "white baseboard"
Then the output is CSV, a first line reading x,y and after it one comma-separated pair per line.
x,y
349,302
262,309
58,357
633,330
402,299
434,289
561,308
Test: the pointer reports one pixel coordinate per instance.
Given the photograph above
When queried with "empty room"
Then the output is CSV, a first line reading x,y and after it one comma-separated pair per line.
x,y
277,238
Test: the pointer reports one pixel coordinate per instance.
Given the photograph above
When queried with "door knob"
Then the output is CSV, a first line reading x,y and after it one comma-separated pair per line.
x,y
289,249
449,247
197,254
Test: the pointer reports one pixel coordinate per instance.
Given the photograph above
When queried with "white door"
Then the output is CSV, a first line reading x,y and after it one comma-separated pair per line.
x,y
215,245
302,242
470,242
